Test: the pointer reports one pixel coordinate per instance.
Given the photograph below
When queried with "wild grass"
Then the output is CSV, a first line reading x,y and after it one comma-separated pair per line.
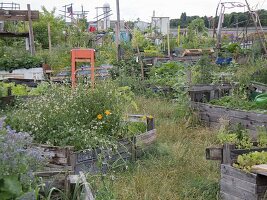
x,y
175,168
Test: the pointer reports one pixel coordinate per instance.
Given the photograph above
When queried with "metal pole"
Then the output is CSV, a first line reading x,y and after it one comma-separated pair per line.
x,y
219,28
168,40
118,31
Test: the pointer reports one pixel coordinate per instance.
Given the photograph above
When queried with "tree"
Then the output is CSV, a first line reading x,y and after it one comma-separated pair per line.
x,y
183,20
40,28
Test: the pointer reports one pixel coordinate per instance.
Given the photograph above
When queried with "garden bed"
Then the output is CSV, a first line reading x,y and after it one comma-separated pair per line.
x,y
205,93
66,159
210,115
228,153
236,184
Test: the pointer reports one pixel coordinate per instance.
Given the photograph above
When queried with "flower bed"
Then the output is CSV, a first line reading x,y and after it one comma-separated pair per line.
x,y
67,159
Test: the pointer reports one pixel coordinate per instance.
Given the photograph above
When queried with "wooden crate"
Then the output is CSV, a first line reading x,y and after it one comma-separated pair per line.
x,y
236,184
210,115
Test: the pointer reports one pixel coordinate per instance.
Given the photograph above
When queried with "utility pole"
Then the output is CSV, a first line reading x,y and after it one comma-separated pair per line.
x,y
118,31
256,26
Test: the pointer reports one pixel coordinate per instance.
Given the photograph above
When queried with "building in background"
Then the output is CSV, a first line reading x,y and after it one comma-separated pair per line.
x,y
160,25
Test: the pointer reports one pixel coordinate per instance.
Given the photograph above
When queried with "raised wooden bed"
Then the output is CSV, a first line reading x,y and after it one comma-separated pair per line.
x,y
236,184
228,153
5,101
66,159
205,93
210,115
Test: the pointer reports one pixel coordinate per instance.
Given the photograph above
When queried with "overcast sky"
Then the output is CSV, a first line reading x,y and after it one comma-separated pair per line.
x,y
143,9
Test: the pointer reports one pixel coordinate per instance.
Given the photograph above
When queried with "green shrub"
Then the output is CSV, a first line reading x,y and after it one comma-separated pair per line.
x,y
13,58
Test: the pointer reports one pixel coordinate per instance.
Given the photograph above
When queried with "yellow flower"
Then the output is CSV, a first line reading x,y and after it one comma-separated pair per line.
x,y
144,118
150,117
99,116
107,112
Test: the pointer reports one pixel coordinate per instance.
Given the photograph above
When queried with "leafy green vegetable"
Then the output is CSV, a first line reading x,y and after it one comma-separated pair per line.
x,y
246,161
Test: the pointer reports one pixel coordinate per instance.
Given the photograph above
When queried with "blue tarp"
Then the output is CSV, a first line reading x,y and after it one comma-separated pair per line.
x,y
223,61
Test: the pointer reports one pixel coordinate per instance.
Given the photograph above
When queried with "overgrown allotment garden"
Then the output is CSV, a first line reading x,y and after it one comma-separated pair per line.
x,y
92,113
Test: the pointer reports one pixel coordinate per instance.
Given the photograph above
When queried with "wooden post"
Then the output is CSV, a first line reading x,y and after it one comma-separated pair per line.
x,y
49,37
87,189
31,37
141,63
118,29
227,153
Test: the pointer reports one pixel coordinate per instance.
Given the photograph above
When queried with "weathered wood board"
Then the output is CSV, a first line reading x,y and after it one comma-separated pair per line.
x,y
228,153
205,93
237,184
210,115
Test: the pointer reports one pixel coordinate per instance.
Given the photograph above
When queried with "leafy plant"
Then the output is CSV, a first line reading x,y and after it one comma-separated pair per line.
x,y
262,137
14,58
17,162
246,161
238,137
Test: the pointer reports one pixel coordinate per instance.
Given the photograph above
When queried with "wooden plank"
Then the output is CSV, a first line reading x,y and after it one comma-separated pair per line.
x,y
227,188
87,189
259,169
18,15
239,183
49,173
211,113
9,34
146,139
226,196
214,153
231,171
236,152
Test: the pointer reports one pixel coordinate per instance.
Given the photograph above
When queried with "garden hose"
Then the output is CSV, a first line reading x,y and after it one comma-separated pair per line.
x,y
261,99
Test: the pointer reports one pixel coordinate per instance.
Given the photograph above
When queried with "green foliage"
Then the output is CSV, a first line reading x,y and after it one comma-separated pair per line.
x,y
58,59
262,137
18,160
239,102
15,58
203,71
10,187
246,161
197,36
23,90
255,70
63,117
135,128
40,28
170,74
16,90
239,137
